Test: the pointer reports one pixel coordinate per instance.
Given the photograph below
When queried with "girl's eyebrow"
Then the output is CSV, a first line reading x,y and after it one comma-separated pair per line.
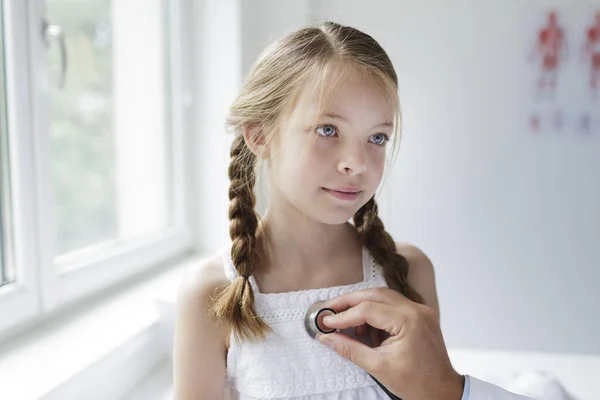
x,y
386,124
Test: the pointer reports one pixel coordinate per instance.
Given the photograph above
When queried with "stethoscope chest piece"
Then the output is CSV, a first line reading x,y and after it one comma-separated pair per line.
x,y
313,319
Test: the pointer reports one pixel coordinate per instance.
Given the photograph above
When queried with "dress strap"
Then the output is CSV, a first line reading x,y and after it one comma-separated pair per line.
x,y
231,272
367,264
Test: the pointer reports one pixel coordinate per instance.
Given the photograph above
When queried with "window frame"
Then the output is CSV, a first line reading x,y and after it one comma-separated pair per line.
x,y
5,212
19,301
42,286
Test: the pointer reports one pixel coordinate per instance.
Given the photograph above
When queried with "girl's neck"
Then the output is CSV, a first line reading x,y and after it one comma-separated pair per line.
x,y
293,239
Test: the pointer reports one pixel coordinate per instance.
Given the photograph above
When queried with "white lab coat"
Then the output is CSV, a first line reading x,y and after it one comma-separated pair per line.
x,y
480,390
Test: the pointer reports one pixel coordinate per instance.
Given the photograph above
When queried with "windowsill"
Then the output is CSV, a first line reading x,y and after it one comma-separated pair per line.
x,y
75,353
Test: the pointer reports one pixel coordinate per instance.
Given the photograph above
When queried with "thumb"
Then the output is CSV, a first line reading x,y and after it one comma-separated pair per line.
x,y
353,350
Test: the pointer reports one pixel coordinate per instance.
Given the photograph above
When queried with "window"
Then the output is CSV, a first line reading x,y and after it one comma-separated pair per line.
x,y
109,122
92,129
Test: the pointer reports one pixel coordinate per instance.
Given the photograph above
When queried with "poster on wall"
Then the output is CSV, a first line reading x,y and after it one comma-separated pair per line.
x,y
563,71
590,57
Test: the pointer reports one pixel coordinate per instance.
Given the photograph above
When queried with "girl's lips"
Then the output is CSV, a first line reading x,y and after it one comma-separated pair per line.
x,y
344,195
346,189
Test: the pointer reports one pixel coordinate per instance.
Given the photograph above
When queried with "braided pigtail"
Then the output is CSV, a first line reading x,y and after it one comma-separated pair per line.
x,y
235,304
383,249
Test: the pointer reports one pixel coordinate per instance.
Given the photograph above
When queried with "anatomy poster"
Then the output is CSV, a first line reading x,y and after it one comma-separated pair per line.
x,y
563,71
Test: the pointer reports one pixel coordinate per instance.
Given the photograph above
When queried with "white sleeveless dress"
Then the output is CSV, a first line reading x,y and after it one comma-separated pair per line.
x,y
290,364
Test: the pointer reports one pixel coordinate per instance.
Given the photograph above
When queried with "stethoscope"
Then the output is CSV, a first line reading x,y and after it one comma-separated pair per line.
x,y
313,323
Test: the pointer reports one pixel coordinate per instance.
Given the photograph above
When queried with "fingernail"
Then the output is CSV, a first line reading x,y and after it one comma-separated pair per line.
x,y
328,318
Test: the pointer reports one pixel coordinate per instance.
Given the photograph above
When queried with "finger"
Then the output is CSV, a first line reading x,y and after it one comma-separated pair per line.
x,y
353,350
380,295
377,315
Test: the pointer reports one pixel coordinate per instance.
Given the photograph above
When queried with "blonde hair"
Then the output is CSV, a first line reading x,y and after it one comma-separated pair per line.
x,y
281,74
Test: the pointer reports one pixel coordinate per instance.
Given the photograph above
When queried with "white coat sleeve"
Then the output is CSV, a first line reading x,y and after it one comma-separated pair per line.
x,y
476,389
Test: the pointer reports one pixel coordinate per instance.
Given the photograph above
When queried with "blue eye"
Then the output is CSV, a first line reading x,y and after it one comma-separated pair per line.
x,y
326,130
380,139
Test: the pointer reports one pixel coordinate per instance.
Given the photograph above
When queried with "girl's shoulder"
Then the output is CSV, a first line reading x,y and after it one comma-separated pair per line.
x,y
198,287
421,274
414,255
205,276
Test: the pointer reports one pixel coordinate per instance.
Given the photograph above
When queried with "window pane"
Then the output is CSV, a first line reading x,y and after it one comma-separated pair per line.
x,y
110,121
6,266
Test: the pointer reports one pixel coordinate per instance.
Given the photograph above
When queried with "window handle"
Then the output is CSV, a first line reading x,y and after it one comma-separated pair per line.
x,y
54,33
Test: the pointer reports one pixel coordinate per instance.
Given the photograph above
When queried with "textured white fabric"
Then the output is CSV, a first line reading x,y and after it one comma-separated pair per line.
x,y
289,364
481,390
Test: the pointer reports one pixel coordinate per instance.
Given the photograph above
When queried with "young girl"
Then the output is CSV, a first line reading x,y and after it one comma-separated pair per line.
x,y
319,107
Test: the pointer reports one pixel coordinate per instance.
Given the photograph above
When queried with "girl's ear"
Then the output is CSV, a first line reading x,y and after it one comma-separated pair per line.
x,y
255,138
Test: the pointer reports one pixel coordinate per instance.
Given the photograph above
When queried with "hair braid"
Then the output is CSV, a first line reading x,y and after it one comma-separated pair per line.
x,y
383,248
235,304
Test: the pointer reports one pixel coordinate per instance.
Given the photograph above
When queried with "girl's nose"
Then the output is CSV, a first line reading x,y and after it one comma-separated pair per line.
x,y
353,160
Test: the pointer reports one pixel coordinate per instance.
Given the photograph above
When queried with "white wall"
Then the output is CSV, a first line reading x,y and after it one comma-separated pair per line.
x,y
263,21
510,220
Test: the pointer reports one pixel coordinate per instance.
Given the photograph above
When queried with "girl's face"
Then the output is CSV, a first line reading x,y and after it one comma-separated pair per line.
x,y
327,165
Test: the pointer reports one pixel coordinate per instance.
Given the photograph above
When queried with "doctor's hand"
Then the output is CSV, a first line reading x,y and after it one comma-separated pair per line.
x,y
412,362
